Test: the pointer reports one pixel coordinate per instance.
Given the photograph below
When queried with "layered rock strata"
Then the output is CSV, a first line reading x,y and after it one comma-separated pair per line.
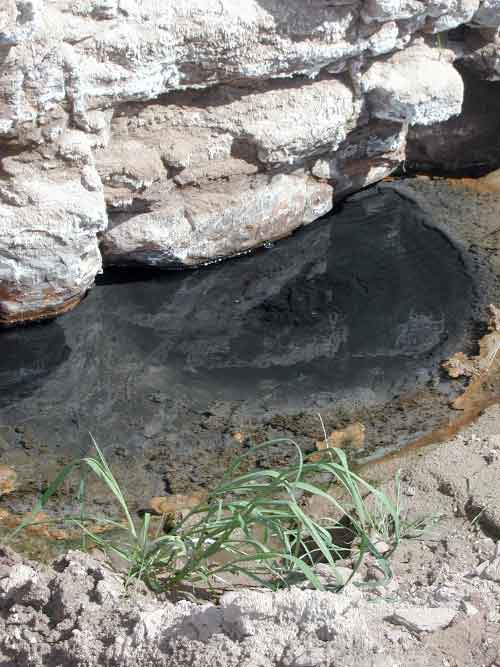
x,y
175,134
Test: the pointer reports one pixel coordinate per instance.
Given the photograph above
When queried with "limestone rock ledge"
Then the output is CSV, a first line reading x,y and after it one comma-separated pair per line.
x,y
170,134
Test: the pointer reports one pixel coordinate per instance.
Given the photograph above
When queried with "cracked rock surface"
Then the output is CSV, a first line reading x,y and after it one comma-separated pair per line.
x,y
175,134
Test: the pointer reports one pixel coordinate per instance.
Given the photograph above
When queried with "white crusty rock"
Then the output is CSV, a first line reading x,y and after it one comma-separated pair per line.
x,y
79,606
487,15
22,585
415,86
385,10
204,128
95,54
49,254
18,20
492,570
459,12
281,122
435,15
78,612
368,155
194,226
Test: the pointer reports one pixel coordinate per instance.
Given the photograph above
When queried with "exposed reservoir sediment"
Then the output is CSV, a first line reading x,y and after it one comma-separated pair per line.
x,y
351,317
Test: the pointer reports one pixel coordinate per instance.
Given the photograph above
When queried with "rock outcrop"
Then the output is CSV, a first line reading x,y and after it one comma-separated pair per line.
x,y
174,134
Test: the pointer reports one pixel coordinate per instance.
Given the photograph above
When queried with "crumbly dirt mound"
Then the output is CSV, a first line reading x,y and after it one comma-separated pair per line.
x,y
442,608
76,613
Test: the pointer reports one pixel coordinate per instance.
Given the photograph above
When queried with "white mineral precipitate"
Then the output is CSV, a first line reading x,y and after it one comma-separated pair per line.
x,y
180,133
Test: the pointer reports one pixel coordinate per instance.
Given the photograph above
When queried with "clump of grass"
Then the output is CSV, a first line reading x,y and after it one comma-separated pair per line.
x,y
256,524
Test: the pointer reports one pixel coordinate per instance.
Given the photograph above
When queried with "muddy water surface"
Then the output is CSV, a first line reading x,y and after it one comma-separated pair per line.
x,y
175,373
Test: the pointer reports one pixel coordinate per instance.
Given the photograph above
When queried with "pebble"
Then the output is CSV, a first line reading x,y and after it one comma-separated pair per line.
x,y
485,545
492,571
447,594
337,577
374,573
494,441
477,571
469,608
423,619
8,479
491,456
158,397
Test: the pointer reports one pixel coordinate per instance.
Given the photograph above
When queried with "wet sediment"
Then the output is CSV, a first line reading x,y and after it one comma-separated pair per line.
x,y
180,372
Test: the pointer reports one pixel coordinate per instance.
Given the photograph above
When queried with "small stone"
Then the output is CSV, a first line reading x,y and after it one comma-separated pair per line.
x,y
374,573
158,397
8,479
185,178
309,658
410,491
382,547
343,575
176,503
353,437
447,594
485,546
492,571
491,456
494,441
469,608
423,619
477,571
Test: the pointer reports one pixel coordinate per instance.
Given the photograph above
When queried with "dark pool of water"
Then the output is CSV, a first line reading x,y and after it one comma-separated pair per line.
x,y
358,307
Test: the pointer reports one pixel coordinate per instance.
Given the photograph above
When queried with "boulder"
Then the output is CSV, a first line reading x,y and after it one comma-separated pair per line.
x,y
415,86
465,144
195,226
49,255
